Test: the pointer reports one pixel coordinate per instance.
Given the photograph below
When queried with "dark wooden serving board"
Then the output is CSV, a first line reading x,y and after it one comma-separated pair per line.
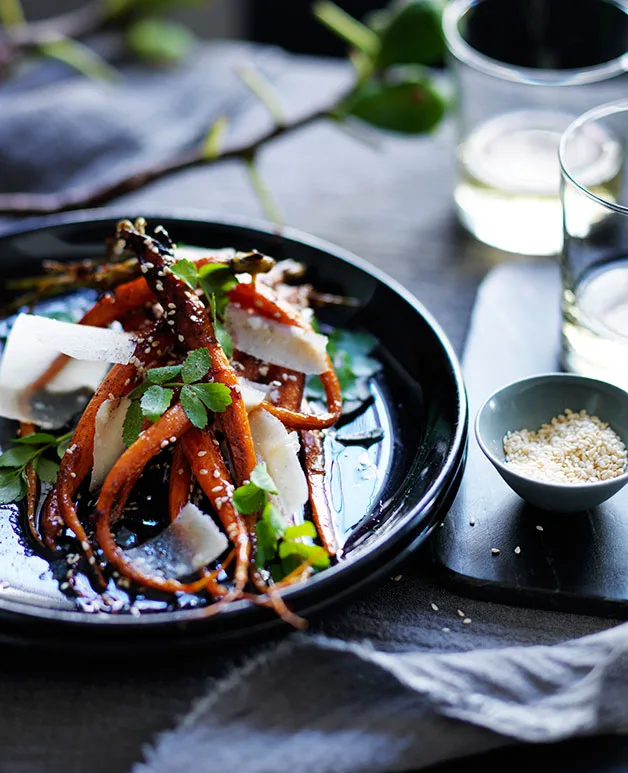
x,y
573,562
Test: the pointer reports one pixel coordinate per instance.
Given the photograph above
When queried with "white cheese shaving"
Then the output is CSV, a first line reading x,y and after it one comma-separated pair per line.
x,y
280,450
285,345
32,345
189,543
253,394
108,443
83,342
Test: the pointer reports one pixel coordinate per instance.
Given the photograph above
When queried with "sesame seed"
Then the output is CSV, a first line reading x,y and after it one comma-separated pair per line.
x,y
216,474
467,621
434,606
461,613
181,338
73,475
397,577
202,472
495,551
539,528
573,447
217,488
517,550
200,454
445,630
173,439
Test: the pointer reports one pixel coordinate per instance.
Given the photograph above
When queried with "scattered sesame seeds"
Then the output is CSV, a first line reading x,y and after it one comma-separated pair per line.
x,y
495,551
539,527
173,439
434,606
217,488
73,475
572,448
216,474
467,621
517,550
201,454
461,613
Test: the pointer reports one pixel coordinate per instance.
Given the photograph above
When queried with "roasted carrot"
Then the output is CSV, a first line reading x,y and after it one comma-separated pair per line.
x,y
179,483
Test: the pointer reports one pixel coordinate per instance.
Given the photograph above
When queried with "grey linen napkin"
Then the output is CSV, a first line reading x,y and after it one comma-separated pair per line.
x,y
396,680
324,705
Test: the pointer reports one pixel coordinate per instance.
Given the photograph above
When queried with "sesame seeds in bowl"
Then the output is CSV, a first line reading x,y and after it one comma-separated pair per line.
x,y
558,440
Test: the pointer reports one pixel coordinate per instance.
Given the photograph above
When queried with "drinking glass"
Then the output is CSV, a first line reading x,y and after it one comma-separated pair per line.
x,y
594,260
524,69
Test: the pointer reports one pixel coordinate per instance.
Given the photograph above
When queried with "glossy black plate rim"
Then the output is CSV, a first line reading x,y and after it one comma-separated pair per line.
x,y
403,538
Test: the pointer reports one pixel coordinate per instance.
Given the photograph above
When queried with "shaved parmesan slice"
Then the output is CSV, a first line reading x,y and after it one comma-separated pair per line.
x,y
108,443
285,345
83,342
189,252
190,542
253,394
32,345
280,450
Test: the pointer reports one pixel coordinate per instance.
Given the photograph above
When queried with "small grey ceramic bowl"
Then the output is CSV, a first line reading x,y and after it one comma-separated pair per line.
x,y
531,402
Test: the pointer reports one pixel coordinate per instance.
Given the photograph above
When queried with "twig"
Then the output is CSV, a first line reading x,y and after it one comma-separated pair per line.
x,y
77,198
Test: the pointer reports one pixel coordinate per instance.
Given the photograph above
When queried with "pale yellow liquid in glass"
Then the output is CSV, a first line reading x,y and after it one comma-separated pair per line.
x,y
507,192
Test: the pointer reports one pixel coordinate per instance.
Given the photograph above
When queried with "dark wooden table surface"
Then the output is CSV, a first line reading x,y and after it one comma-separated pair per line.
x,y
390,204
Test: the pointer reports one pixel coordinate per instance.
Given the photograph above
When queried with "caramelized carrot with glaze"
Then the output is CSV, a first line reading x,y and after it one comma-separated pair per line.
x,y
204,457
184,310
180,482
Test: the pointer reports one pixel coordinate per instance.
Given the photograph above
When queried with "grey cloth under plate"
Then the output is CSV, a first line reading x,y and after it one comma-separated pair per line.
x,y
318,704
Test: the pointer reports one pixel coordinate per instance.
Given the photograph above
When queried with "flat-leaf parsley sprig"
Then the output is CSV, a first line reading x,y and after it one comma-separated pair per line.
x,y
215,280
42,450
151,399
279,546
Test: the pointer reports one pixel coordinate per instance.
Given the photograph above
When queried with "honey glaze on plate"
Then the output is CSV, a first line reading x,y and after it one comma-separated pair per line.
x,y
359,455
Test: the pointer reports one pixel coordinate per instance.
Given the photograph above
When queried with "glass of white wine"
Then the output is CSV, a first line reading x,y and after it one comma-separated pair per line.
x,y
594,259
524,70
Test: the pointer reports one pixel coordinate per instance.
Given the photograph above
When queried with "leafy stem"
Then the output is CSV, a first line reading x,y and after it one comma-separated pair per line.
x,y
34,450
391,90
151,399
279,546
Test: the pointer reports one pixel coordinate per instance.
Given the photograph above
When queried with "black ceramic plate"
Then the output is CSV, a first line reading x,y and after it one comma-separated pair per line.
x,y
389,496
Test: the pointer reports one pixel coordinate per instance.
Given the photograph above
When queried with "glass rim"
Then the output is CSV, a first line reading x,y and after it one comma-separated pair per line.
x,y
601,111
458,47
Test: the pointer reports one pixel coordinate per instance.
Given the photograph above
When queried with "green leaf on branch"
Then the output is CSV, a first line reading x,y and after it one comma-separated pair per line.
x,y
410,33
11,13
212,145
412,106
160,42
80,57
343,25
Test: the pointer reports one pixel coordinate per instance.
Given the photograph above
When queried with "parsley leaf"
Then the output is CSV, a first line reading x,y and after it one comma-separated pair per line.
x,y
193,406
12,487
248,499
261,478
30,449
163,375
216,396
186,270
132,425
155,402
196,365
317,555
